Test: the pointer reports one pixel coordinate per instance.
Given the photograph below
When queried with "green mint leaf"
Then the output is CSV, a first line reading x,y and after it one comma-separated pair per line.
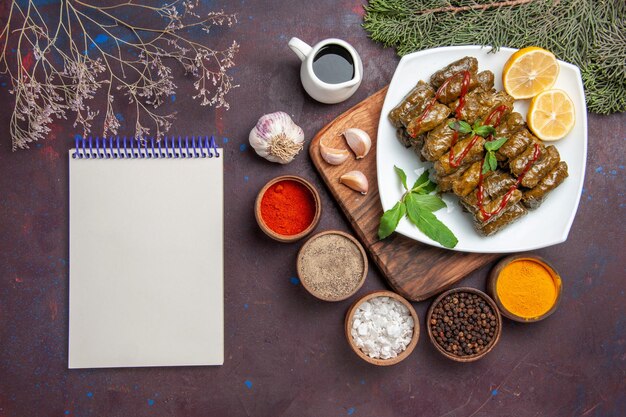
x,y
402,176
390,219
476,125
485,130
494,145
493,162
429,202
428,224
486,167
421,181
460,126
428,188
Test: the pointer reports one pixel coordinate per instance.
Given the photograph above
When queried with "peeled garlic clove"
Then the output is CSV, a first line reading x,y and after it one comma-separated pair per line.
x,y
355,180
359,141
333,156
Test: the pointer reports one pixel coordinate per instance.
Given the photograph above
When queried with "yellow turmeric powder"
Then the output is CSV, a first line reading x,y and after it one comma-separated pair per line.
x,y
526,288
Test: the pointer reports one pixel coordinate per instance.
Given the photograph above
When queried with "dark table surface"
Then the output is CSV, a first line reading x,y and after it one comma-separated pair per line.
x,y
286,352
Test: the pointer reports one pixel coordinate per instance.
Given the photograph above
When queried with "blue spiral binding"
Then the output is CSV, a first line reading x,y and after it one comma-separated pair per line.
x,y
131,148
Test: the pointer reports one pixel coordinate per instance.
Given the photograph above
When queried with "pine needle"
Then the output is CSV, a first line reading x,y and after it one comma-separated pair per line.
x,y
588,33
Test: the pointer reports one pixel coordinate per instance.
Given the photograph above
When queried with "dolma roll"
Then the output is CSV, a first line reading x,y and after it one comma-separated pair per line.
x,y
416,146
514,213
479,103
427,119
403,137
535,196
518,164
447,182
496,185
450,91
510,124
419,95
467,63
469,180
485,79
515,145
495,204
475,153
545,164
438,141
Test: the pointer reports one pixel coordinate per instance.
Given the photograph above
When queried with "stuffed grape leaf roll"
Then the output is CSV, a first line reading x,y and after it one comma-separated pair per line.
x,y
419,96
535,196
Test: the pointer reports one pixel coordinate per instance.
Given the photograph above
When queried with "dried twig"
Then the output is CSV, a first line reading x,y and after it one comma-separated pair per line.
x,y
55,69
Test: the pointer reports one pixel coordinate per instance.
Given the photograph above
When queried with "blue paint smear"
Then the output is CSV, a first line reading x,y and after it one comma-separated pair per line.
x,y
362,382
119,117
351,411
173,97
100,38
4,84
90,394
613,172
245,178
248,383
78,137
150,402
599,169
294,280
494,392
67,412
242,147
621,167
225,140
245,306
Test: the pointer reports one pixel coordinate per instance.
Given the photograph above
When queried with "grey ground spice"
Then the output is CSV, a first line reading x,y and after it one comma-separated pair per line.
x,y
331,266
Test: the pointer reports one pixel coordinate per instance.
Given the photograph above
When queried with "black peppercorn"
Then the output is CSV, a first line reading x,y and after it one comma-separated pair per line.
x,y
463,324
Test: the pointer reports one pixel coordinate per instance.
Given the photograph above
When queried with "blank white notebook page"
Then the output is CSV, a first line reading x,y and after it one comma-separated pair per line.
x,y
146,262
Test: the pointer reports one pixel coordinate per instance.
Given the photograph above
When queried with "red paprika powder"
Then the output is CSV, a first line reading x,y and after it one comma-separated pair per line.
x,y
287,207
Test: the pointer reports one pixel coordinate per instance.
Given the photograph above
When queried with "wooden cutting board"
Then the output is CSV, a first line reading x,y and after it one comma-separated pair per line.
x,y
414,270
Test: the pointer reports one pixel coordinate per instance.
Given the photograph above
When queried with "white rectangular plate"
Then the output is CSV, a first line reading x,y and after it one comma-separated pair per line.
x,y
545,226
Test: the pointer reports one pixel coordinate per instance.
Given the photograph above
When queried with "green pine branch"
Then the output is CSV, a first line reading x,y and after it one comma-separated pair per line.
x,y
588,33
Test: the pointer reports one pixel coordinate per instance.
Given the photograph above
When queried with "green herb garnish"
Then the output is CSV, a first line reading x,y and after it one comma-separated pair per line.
x,y
478,129
418,204
490,163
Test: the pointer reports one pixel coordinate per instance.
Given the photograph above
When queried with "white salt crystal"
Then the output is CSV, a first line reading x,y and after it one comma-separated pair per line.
x,y
382,327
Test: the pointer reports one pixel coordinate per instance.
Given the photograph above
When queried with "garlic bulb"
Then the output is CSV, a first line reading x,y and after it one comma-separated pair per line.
x,y
359,141
277,138
332,155
355,180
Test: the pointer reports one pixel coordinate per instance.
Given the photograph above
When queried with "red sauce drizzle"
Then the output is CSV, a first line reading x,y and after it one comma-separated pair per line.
x,y
464,87
487,215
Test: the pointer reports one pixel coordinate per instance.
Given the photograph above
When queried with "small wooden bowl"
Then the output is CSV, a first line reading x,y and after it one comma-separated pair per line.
x,y
489,347
363,255
382,362
278,236
493,281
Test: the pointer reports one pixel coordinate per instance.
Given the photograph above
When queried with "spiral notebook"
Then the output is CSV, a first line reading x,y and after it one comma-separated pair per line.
x,y
146,253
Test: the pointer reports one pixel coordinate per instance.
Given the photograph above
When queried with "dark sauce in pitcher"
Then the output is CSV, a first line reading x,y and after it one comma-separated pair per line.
x,y
333,64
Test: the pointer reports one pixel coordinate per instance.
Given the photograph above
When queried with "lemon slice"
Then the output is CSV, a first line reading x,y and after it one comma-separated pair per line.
x,y
529,71
551,115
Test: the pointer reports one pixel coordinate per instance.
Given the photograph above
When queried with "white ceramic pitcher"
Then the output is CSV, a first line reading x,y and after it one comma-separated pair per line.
x,y
322,91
